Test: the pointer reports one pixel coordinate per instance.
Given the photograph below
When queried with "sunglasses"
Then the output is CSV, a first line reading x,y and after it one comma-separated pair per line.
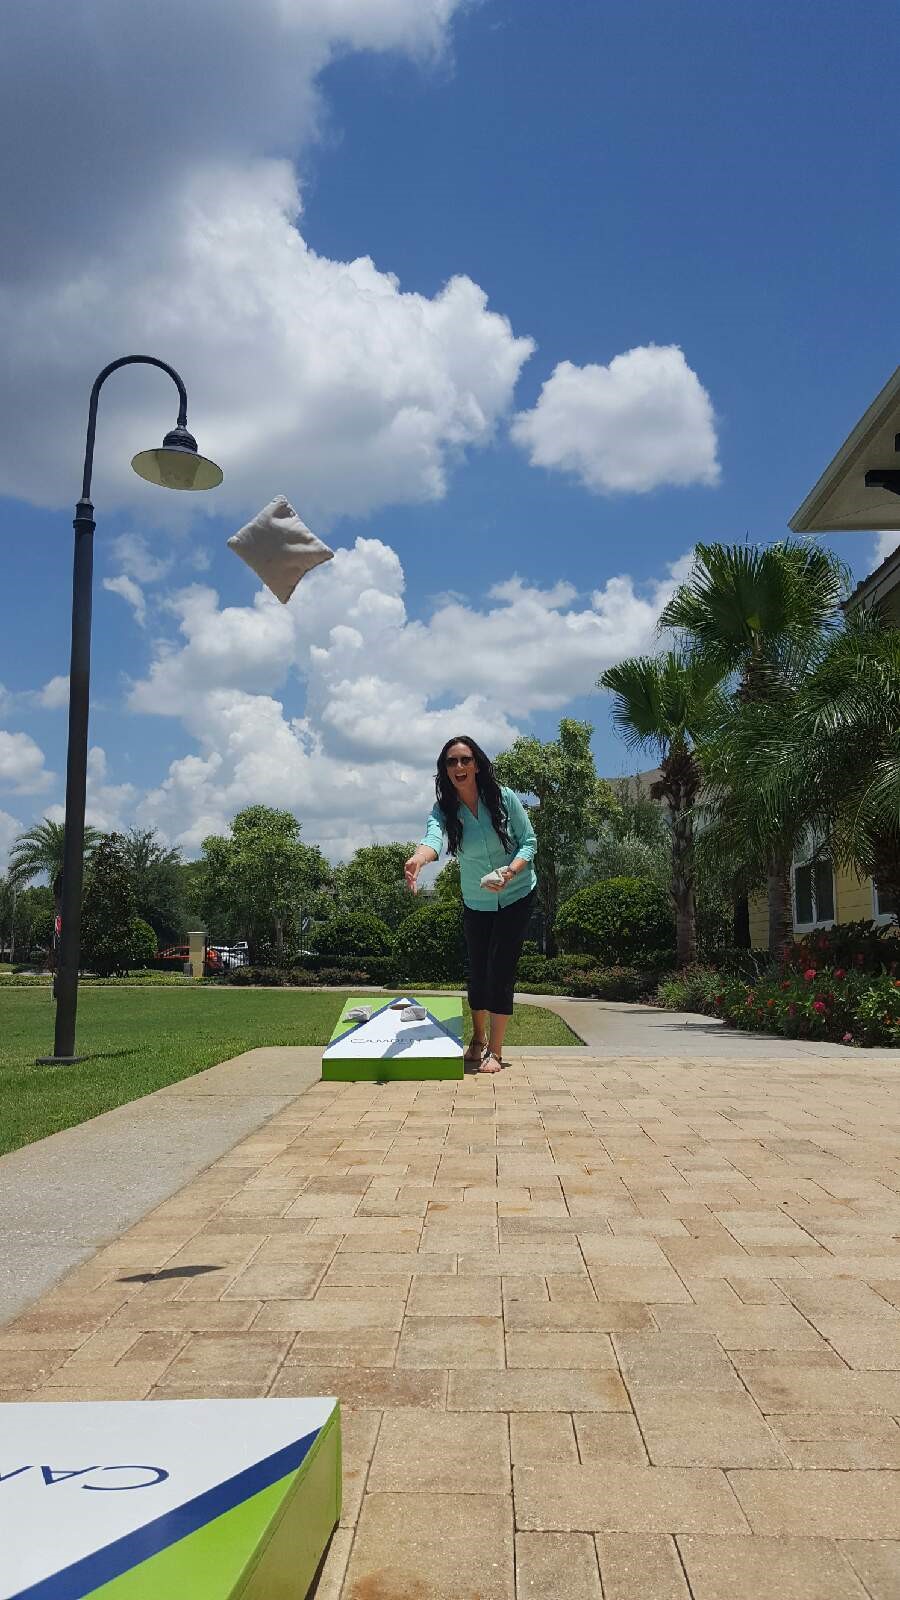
x,y
459,761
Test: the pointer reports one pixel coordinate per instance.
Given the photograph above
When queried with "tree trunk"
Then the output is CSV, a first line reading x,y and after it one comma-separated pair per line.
x,y
549,894
741,921
683,882
781,922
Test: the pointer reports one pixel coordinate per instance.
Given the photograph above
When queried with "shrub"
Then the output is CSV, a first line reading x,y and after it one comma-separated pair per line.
x,y
628,984
430,943
535,968
740,963
297,977
354,935
619,920
692,989
846,1006
859,946
143,944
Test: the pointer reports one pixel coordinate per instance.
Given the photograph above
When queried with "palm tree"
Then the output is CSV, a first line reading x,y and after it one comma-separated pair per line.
x,y
39,852
663,703
762,616
828,761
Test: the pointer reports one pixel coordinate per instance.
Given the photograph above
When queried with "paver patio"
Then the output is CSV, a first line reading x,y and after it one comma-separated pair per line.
x,y
624,1329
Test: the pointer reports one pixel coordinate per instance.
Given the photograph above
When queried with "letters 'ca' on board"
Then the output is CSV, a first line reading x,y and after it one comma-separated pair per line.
x,y
211,1499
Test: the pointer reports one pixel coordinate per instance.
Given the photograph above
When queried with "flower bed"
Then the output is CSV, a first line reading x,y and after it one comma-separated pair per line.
x,y
841,985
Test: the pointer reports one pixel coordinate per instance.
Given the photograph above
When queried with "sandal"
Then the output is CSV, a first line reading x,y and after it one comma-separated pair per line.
x,y
491,1063
475,1053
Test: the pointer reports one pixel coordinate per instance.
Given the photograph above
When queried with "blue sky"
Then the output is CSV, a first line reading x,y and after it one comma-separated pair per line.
x,y
612,179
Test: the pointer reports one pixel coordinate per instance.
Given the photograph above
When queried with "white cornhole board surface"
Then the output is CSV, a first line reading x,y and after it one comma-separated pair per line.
x,y
388,1047
167,1500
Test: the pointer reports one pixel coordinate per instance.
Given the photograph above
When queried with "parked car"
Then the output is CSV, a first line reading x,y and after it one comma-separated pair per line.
x,y
232,955
180,953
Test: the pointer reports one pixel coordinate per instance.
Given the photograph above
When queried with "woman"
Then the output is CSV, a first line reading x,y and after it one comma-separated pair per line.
x,y
488,831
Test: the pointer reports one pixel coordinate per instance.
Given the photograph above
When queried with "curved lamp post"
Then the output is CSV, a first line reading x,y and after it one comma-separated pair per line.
x,y
175,465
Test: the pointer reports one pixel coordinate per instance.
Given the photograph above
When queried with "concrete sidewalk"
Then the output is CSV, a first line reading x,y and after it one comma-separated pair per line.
x,y
602,1328
613,1028
63,1197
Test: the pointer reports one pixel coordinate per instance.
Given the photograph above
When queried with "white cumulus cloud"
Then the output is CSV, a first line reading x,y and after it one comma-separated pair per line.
x,y
138,561
10,826
304,374
108,805
380,691
884,545
22,764
642,421
55,693
131,593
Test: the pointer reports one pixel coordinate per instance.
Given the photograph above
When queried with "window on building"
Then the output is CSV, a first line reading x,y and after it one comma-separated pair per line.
x,y
814,893
887,904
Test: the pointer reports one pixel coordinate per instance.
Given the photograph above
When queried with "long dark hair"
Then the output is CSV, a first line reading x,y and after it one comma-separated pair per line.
x,y
488,788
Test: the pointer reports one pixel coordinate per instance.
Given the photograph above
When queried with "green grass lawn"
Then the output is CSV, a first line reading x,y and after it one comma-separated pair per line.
x,y
138,1040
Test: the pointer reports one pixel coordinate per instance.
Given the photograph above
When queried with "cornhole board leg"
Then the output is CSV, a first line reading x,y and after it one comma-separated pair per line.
x,y
235,1499
387,1048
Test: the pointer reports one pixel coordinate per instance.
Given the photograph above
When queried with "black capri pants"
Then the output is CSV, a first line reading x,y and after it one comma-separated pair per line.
x,y
494,941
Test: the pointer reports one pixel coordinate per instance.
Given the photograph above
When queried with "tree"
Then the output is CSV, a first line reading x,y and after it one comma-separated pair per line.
x,y
254,882
572,804
824,763
761,614
108,910
155,877
34,920
39,852
373,881
7,916
662,703
447,885
634,841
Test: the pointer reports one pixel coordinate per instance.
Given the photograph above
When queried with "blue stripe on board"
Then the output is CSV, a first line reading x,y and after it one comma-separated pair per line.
x,y
83,1577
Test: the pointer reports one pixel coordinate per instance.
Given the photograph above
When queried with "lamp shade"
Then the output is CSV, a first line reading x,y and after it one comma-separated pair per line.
x,y
177,465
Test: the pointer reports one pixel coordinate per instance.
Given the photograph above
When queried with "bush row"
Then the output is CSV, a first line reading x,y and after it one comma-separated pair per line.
x,y
840,985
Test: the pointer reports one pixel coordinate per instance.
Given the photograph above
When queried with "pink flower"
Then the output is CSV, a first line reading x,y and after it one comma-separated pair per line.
x,y
809,974
847,1039
818,1005
839,972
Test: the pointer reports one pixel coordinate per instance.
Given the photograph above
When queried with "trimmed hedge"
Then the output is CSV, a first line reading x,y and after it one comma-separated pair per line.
x,y
430,943
296,977
352,936
619,920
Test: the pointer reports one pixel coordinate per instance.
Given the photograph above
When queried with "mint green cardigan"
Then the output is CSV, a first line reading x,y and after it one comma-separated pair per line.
x,y
481,851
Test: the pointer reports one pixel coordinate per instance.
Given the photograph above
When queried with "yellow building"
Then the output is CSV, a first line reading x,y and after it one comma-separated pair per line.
x,y
820,894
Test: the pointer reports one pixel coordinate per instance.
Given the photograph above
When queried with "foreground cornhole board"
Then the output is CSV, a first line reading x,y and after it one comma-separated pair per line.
x,y
387,1047
167,1500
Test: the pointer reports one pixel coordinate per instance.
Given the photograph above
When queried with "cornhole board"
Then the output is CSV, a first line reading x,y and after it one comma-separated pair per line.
x,y
388,1047
167,1500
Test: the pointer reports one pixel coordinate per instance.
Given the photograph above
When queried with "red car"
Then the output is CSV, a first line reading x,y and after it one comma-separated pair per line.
x,y
181,952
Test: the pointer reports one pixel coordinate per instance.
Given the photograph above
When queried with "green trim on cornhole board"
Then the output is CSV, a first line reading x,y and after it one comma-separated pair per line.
x,y
268,1548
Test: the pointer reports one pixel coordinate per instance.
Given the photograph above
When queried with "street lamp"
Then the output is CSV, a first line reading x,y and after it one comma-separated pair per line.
x,y
175,465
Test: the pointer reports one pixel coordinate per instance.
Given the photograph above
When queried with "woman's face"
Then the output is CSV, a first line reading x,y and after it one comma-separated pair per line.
x,y
460,764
